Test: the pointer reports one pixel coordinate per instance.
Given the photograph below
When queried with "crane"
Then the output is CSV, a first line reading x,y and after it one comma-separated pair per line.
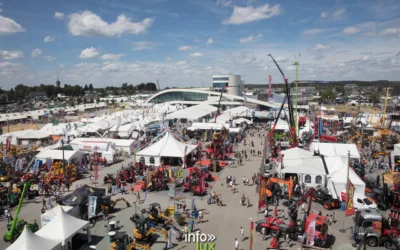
x,y
158,84
269,86
292,125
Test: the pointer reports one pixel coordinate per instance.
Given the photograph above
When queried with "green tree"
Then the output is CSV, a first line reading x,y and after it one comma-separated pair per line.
x,y
86,87
90,87
374,97
328,95
12,94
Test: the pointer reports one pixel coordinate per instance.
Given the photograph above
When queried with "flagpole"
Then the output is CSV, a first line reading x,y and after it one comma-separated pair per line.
x,y
343,230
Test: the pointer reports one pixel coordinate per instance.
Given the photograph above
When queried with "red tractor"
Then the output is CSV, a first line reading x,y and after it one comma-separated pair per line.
x,y
196,186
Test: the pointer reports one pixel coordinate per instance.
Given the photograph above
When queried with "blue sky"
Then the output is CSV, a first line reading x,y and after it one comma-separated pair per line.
x,y
180,42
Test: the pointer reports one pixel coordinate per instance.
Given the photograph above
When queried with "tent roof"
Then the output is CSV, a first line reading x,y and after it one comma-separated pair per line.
x,y
167,146
228,114
62,227
30,241
336,149
35,134
58,154
193,113
81,195
205,126
297,160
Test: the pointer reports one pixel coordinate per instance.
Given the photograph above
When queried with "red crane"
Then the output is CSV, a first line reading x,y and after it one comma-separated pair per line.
x,y
270,86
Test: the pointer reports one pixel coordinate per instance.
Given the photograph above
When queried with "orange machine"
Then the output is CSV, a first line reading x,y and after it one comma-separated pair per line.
x,y
289,183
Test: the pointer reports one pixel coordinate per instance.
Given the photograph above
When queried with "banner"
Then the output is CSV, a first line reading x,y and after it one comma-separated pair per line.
x,y
8,143
316,127
95,154
321,127
310,233
92,206
65,138
5,155
251,235
350,199
261,202
96,172
203,183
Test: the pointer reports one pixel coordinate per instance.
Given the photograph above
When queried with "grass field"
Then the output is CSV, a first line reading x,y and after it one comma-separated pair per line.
x,y
351,109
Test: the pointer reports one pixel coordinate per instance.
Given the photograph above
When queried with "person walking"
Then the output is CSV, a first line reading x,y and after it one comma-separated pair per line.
x,y
44,204
242,233
266,213
236,244
200,216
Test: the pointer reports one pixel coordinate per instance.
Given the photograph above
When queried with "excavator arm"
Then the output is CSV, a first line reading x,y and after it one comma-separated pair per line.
x,y
161,231
309,194
288,183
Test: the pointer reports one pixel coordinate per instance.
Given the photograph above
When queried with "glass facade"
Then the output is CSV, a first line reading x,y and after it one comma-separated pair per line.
x,y
180,96
220,85
221,79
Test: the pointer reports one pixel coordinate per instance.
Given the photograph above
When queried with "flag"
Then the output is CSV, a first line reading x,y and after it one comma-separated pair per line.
x,y
245,99
203,183
310,233
261,202
92,206
184,157
95,154
350,199
251,234
65,138
96,172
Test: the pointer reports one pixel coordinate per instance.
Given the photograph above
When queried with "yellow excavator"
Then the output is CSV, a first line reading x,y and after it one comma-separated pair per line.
x,y
123,242
156,216
108,205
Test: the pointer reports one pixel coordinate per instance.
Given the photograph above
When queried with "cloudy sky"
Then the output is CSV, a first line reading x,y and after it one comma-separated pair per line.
x,y
181,42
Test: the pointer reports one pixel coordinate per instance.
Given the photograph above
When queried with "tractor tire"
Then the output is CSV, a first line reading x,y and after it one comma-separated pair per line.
x,y
274,232
372,241
327,205
388,245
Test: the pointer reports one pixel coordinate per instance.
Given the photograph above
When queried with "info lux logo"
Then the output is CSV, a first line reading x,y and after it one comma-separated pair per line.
x,y
203,241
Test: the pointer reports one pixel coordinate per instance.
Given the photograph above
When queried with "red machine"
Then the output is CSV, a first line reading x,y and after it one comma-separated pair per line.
x,y
196,186
328,138
196,172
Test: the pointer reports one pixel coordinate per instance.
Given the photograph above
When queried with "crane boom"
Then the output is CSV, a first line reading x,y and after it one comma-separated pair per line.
x,y
290,105
10,233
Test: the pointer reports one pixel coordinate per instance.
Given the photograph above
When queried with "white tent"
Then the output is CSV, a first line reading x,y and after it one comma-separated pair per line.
x,y
207,126
336,149
193,113
30,241
167,146
229,114
54,154
396,150
63,227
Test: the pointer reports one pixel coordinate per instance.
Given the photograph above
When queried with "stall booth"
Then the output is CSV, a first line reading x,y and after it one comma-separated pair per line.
x,y
66,229
30,241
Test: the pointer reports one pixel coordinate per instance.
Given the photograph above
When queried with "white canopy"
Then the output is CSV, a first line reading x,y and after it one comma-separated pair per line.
x,y
193,113
58,154
335,149
229,114
167,146
62,227
207,126
30,241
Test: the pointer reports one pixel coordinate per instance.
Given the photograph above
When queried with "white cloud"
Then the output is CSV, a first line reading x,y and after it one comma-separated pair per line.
x,y
250,38
225,3
324,15
11,54
49,39
184,48
87,23
61,66
312,32
89,53
58,15
143,46
210,41
180,63
111,67
351,30
281,59
111,57
36,52
49,58
249,14
339,12
196,54
168,59
9,26
391,31
11,69
319,47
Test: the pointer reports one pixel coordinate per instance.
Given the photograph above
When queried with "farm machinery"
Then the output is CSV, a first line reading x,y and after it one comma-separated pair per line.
x,y
155,215
297,228
196,186
108,205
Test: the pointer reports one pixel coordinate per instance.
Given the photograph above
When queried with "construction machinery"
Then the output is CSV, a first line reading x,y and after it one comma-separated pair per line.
x,y
156,216
143,232
288,98
108,205
17,225
323,197
123,242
